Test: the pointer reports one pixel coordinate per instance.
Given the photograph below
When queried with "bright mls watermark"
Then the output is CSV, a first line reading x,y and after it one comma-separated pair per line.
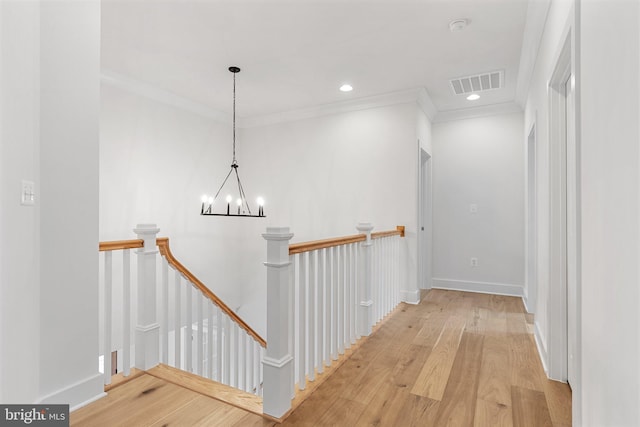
x,y
34,415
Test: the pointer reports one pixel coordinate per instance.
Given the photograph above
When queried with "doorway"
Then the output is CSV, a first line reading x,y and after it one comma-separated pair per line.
x,y
564,251
425,215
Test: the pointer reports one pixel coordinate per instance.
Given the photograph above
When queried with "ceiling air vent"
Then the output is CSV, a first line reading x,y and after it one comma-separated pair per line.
x,y
477,83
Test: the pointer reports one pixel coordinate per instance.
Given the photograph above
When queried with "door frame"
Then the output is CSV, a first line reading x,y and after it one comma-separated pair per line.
x,y
425,220
562,136
531,220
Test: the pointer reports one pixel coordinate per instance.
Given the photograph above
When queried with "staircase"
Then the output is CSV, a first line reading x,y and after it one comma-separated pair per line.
x,y
331,294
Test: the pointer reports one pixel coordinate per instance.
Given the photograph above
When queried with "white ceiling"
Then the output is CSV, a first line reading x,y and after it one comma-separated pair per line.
x,y
295,54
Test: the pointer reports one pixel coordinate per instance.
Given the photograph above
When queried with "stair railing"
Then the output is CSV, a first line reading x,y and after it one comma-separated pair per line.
x,y
322,296
179,321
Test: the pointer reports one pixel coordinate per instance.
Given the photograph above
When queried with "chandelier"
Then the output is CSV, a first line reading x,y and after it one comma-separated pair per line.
x,y
241,207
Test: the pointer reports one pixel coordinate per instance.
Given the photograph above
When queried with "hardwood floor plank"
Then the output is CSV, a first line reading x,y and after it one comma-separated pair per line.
x,y
558,396
385,406
205,411
433,377
495,371
409,365
529,408
491,414
526,368
458,405
343,412
141,401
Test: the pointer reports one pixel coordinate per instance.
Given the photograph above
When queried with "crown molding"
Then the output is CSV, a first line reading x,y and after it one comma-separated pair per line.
x,y
376,101
162,96
475,112
537,12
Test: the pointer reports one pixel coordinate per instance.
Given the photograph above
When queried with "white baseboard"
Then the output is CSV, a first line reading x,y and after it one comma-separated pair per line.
x,y
542,348
410,297
78,394
480,287
526,306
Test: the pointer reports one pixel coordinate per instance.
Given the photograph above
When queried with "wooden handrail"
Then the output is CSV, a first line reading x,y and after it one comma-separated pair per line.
x,y
399,231
163,246
115,245
297,248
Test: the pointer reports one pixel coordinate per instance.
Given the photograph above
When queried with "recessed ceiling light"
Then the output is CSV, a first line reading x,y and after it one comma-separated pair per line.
x,y
346,88
473,97
458,25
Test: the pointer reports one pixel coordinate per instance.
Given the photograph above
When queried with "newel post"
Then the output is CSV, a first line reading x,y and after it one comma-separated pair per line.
x,y
365,281
147,327
277,362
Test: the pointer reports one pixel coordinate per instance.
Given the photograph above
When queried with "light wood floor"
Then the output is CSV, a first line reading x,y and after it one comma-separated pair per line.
x,y
151,401
456,359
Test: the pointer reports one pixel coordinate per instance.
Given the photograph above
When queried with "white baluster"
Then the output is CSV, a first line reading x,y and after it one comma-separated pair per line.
x,y
302,321
189,329
250,363
327,306
341,288
352,330
164,320
126,311
200,334
108,286
347,294
292,324
177,321
335,286
322,324
210,343
227,351
312,314
219,344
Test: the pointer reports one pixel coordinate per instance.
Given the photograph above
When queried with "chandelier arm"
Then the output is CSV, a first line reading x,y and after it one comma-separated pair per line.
x,y
241,191
223,183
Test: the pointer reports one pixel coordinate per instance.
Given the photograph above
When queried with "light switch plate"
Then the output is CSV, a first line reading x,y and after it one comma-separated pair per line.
x,y
28,193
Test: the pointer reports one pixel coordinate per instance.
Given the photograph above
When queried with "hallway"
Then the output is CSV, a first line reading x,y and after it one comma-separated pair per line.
x,y
458,358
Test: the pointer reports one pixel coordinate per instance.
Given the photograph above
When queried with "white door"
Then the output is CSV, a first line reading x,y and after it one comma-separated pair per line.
x,y
532,230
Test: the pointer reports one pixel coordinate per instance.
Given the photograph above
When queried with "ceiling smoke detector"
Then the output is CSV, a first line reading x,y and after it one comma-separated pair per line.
x,y
458,25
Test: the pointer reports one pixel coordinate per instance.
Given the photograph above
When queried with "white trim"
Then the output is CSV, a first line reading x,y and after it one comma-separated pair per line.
x,y
87,402
542,348
162,96
426,104
480,287
410,297
277,363
394,98
524,302
77,394
476,112
537,13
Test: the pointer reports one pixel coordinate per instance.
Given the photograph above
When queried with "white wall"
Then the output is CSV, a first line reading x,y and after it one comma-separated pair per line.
x,y
479,161
19,225
319,176
322,176
610,164
50,71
